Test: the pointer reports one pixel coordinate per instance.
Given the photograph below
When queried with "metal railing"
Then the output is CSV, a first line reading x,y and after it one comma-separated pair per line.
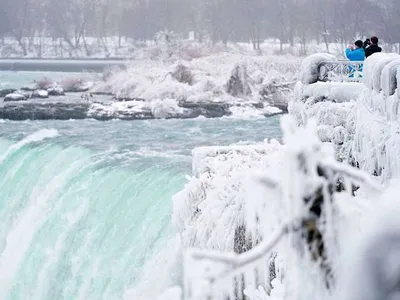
x,y
341,71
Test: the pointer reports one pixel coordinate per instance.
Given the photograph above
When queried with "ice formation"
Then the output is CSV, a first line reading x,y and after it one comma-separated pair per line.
x,y
212,201
224,187
361,121
309,67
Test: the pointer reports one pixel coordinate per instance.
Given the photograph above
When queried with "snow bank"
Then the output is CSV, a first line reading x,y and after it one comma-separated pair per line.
x,y
310,67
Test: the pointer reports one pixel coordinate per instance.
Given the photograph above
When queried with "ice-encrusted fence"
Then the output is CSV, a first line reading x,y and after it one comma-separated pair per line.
x,y
307,189
340,71
327,68
379,73
360,118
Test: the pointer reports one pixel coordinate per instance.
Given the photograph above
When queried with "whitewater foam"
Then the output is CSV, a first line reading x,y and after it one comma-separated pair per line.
x,y
32,138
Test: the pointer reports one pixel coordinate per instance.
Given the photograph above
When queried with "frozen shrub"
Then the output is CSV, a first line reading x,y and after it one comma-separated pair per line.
x,y
237,84
182,74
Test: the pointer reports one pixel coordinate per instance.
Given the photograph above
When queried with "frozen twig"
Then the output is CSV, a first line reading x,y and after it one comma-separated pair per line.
x,y
236,262
353,173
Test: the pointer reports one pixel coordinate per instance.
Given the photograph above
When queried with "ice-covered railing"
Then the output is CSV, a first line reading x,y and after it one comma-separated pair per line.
x,y
360,118
340,71
326,67
307,189
376,115
382,76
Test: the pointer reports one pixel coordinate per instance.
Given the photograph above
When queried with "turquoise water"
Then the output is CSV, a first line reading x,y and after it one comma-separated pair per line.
x,y
16,80
85,212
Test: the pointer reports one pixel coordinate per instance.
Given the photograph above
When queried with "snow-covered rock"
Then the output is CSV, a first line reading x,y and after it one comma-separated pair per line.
x,y
40,94
158,109
15,97
56,91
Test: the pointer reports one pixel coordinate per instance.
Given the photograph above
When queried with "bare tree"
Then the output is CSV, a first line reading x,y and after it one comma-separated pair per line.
x,y
71,22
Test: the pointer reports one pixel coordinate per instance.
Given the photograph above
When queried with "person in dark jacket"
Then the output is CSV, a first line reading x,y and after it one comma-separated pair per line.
x,y
373,47
367,43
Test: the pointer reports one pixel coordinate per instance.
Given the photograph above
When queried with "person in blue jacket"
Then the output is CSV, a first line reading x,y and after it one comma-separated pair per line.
x,y
355,53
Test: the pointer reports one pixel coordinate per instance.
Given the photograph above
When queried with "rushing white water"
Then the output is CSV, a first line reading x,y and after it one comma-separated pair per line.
x,y
86,206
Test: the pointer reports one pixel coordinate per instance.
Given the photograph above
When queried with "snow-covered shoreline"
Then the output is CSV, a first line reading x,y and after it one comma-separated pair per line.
x,y
72,106
224,84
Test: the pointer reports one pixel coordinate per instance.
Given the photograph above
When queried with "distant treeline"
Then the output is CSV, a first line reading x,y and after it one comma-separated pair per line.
x,y
289,21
